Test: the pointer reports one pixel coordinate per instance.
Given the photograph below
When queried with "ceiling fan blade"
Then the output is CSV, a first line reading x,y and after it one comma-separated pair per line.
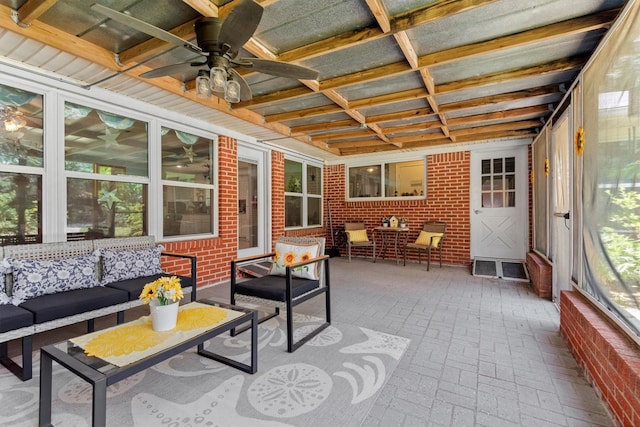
x,y
146,28
170,69
240,24
245,90
277,68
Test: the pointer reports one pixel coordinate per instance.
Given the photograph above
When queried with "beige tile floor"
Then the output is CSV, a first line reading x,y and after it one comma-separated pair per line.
x,y
483,352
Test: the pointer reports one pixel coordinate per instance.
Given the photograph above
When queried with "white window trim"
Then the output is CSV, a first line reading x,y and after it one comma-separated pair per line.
x,y
306,161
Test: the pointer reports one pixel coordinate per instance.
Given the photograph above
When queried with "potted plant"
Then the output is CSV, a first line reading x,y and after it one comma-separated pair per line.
x,y
163,296
402,222
385,221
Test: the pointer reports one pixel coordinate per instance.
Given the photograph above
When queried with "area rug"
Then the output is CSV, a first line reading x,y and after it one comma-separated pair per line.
x,y
333,380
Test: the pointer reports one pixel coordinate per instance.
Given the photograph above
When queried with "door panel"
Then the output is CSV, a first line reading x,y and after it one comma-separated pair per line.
x,y
561,235
252,213
499,203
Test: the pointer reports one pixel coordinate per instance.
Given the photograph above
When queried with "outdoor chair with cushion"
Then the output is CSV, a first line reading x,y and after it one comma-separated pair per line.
x,y
300,271
357,237
429,240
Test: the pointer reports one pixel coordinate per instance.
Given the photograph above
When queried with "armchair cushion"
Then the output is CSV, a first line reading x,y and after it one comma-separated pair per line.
x,y
425,238
275,288
356,236
291,253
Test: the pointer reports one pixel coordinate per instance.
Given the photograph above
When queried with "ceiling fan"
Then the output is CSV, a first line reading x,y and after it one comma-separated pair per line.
x,y
218,41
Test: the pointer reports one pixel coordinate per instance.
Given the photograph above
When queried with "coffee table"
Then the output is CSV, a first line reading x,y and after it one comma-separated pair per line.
x,y
101,374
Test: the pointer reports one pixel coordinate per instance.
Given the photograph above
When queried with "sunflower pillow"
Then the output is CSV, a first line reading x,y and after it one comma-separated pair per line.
x,y
292,253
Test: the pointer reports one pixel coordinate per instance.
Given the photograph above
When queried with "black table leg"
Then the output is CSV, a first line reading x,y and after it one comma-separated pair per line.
x,y
46,373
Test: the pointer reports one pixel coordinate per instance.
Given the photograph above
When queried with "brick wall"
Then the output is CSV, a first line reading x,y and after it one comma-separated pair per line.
x,y
609,358
540,273
448,187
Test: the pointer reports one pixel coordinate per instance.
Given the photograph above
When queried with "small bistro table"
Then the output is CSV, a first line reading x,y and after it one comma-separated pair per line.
x,y
101,374
391,235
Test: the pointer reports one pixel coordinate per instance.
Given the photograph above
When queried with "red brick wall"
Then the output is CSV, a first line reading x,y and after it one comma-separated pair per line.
x,y
448,187
611,360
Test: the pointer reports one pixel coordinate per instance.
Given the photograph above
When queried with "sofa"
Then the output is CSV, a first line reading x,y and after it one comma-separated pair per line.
x,y
50,285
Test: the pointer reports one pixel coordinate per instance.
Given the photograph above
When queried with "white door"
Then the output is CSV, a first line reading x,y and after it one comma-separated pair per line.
x,y
253,219
499,203
560,230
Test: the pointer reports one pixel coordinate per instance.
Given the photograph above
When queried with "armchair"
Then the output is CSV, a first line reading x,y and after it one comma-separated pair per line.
x,y
299,272
357,237
430,239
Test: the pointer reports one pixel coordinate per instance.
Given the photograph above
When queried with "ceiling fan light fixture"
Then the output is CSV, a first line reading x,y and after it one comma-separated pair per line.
x,y
218,80
203,88
232,94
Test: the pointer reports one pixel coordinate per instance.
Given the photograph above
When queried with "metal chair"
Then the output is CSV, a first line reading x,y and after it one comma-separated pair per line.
x,y
430,239
285,291
356,238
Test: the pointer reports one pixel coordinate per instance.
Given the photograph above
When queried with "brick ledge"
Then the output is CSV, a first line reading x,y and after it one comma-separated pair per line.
x,y
610,359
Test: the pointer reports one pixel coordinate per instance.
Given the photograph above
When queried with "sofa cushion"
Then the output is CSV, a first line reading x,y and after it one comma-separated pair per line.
x,y
274,287
63,304
133,287
291,253
127,264
32,278
12,317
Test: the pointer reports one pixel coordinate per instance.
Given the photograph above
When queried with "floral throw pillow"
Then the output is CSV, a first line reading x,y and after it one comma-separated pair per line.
x,y
291,253
33,278
5,270
127,264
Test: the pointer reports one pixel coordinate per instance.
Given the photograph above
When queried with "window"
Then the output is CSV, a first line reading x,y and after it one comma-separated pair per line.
x,y
499,182
611,175
106,163
401,179
187,183
21,166
303,194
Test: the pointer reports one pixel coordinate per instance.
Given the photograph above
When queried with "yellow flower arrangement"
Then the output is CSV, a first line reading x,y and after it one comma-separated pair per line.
x,y
165,289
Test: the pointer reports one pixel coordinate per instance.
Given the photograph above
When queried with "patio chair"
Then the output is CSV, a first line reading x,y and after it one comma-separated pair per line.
x,y
358,237
300,271
430,240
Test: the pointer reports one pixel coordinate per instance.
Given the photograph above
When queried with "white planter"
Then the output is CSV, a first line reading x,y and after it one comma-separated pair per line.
x,y
163,317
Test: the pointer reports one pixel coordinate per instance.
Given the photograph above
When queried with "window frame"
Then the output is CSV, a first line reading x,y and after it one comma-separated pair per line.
x,y
304,194
213,187
382,165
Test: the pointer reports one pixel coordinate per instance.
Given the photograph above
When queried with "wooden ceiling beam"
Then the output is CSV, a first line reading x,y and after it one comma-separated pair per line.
x,y
536,35
32,9
519,113
524,124
417,137
500,77
355,133
308,112
389,98
536,92
340,124
279,95
412,127
400,115
153,46
434,11
379,11
358,144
